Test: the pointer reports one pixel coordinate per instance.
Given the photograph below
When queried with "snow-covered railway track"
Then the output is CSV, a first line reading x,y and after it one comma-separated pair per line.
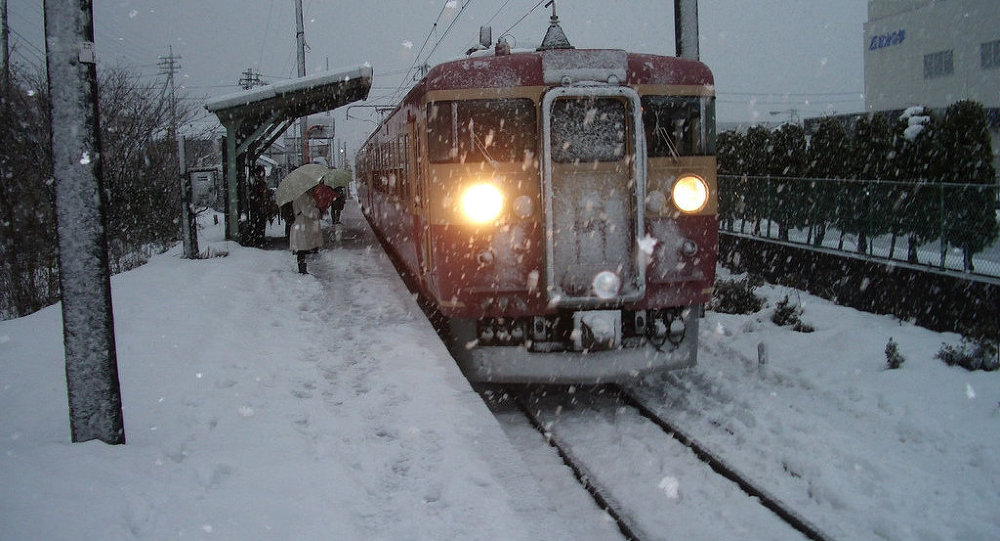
x,y
720,466
651,479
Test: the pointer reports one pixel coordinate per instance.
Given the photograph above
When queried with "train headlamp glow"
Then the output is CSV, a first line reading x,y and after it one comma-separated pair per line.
x,y
482,203
606,285
690,193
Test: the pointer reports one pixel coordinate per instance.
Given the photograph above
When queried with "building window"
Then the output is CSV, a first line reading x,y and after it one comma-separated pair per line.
x,y
989,53
938,64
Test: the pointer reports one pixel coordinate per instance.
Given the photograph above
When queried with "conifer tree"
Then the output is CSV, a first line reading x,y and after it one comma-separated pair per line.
x,y
969,220
917,162
829,158
727,157
755,156
788,165
864,201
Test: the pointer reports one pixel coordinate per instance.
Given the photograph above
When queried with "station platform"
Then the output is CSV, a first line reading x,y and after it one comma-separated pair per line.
x,y
264,404
383,364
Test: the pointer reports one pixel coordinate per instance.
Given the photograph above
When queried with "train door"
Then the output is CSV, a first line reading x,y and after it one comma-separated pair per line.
x,y
594,179
420,219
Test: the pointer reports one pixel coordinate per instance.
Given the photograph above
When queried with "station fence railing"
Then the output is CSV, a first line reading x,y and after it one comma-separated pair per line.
x,y
944,226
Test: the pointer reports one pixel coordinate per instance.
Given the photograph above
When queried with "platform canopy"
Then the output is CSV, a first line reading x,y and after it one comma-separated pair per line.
x,y
256,118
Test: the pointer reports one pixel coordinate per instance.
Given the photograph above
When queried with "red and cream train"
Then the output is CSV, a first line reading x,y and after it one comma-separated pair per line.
x,y
557,206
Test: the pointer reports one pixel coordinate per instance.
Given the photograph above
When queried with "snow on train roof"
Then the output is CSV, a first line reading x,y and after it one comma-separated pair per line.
x,y
530,67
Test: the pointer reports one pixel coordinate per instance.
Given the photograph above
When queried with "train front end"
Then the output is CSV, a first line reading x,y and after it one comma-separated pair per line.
x,y
583,237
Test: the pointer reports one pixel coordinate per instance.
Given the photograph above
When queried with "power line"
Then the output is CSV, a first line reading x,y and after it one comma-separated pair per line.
x,y
267,27
450,26
427,39
525,16
454,20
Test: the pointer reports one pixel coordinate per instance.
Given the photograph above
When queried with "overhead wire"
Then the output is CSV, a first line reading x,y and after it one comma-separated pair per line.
x,y
267,28
447,30
436,44
523,17
420,52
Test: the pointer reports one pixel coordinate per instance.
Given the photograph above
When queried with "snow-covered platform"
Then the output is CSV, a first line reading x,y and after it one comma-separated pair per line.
x,y
263,404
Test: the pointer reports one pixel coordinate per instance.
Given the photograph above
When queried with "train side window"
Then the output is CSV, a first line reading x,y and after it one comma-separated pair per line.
x,y
678,125
588,130
441,132
405,166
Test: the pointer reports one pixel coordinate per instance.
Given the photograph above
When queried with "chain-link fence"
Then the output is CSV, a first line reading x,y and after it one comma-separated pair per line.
x,y
942,225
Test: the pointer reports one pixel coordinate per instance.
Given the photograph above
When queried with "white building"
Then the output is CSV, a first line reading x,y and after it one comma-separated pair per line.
x,y
934,53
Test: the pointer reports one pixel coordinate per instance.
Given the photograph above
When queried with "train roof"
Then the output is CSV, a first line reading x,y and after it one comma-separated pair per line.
x,y
535,68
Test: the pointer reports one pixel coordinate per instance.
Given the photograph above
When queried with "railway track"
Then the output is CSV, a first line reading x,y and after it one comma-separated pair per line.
x,y
650,478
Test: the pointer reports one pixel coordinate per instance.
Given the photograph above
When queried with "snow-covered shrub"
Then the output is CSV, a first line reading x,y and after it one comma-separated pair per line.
x,y
788,314
735,297
785,313
971,355
893,357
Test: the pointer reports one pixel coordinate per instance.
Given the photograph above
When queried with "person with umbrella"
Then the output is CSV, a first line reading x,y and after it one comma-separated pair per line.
x,y
305,236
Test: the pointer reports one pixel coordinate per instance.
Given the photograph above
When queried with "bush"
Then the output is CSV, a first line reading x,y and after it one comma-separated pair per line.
x,y
735,297
786,313
893,357
971,355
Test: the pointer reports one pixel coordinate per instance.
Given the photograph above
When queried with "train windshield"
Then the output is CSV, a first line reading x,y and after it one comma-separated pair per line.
x,y
678,126
589,130
481,130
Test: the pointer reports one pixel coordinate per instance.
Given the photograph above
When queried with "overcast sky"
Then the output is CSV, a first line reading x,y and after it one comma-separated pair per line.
x,y
769,57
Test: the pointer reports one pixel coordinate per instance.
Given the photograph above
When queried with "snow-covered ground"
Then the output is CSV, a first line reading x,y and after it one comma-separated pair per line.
x,y
263,404
861,451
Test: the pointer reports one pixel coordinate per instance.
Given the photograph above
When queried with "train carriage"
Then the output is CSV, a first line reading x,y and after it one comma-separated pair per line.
x,y
557,206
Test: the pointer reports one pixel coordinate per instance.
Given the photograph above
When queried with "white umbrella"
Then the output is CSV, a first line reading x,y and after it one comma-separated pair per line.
x,y
298,182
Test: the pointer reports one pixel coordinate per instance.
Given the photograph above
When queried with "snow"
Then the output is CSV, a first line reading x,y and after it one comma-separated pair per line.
x,y
291,86
264,404
916,121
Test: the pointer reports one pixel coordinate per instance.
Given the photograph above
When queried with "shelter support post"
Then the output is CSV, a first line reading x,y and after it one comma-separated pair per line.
x,y
232,183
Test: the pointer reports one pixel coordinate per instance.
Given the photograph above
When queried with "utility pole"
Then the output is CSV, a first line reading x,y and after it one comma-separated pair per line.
x,y
169,65
300,37
9,248
250,79
5,38
686,28
95,406
189,219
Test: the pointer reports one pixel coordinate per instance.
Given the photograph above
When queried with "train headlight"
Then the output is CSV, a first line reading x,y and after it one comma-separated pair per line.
x,y
690,193
482,203
606,285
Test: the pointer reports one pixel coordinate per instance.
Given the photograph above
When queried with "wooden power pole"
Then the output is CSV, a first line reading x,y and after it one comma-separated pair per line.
x,y
95,405
686,28
300,39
